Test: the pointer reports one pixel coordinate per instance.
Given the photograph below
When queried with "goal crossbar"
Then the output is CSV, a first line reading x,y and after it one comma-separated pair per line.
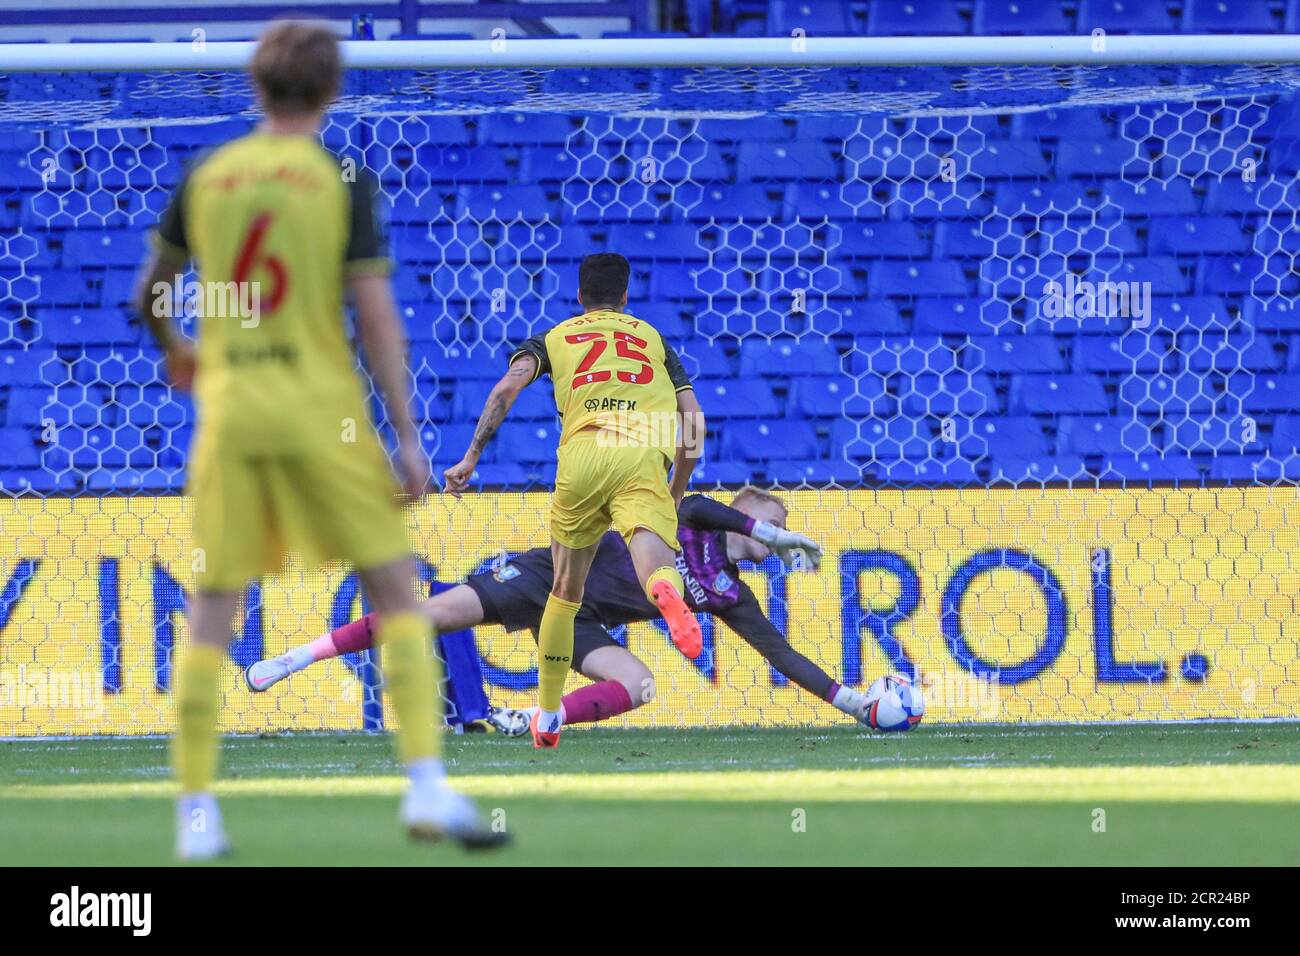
x,y
679,52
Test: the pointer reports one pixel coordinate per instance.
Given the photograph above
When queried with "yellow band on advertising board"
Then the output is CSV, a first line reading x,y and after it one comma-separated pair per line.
x,y
1011,604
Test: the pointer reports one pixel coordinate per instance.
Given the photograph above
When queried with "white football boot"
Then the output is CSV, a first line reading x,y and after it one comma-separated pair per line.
x,y
262,675
509,721
199,834
436,811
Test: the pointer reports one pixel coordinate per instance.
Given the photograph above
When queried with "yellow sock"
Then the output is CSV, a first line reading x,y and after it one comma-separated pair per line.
x,y
194,745
412,686
666,573
554,651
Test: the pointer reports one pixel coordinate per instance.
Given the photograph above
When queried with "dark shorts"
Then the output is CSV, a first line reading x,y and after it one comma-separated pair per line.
x,y
514,596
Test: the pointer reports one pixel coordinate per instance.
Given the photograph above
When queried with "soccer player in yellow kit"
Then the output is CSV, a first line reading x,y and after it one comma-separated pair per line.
x,y
622,393
285,455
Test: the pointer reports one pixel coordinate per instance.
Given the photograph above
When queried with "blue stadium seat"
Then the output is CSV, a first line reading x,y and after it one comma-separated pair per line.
x,y
18,448
1246,468
1169,393
502,475
1177,313
1224,434
1229,16
966,239
759,161
1220,275
446,444
736,398
1006,354
675,281
702,360
1206,351
1043,199
793,474
666,241
909,356
527,443
815,18
1064,123
782,358
1165,273
1073,238
433,360
1270,393
834,201
1005,437
1231,194
709,473
526,129
1277,316
1124,16
1011,159
950,316
919,199
715,129
1206,155
1174,198
117,288
728,201
863,316
913,18
765,440
952,471
886,439
25,406
40,366
1059,395
956,393
1094,157
507,202
1106,436
841,396
1018,18
87,326
1149,467
535,403
1134,353
1020,470
936,277
1286,435
875,240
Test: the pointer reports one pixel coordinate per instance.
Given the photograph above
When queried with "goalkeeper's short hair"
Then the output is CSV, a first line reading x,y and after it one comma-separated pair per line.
x,y
751,493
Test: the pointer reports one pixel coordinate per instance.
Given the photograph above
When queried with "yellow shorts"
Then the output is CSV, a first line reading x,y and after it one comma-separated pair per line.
x,y
252,509
598,485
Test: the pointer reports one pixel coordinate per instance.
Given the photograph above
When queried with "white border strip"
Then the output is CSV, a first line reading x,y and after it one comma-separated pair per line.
x,y
681,52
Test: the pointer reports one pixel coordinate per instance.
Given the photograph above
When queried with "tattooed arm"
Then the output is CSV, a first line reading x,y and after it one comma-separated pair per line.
x,y
522,371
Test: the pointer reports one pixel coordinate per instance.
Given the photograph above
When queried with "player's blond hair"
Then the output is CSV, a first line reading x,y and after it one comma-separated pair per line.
x,y
750,493
297,68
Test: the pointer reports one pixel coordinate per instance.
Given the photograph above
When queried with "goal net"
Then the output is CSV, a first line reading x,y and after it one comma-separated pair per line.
x,y
1016,344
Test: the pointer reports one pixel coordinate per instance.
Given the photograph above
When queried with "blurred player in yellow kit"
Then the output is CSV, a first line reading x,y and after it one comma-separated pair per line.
x,y
622,393
285,456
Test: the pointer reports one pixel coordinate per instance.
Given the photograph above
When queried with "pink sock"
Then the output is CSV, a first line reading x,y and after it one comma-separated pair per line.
x,y
357,636
596,702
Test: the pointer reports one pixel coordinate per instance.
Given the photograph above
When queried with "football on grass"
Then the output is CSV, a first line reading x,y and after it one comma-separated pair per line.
x,y
894,703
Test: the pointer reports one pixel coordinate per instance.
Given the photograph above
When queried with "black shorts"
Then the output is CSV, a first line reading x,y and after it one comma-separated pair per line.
x,y
514,596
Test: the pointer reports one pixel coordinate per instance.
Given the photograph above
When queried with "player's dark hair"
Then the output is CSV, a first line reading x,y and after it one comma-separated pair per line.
x,y
602,279
297,68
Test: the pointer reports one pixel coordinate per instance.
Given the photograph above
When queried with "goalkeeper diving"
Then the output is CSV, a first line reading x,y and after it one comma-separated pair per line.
x,y
714,539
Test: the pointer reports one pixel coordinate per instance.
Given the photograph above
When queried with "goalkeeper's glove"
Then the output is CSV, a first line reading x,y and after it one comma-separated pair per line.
x,y
794,550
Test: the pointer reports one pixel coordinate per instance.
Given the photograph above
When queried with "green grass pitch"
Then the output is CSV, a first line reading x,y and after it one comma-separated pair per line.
x,y
1217,794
